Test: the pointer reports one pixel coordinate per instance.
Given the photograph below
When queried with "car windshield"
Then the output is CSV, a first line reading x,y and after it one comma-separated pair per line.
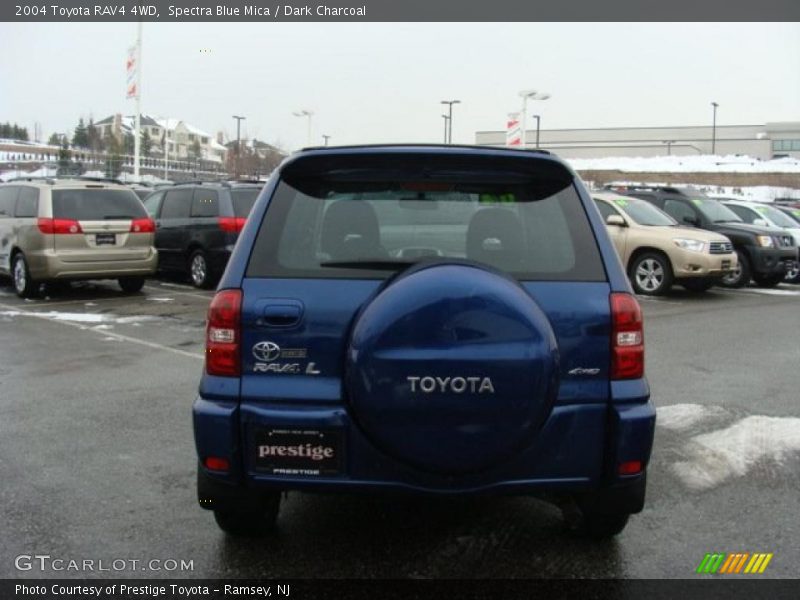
x,y
243,201
98,204
716,211
644,213
776,216
376,224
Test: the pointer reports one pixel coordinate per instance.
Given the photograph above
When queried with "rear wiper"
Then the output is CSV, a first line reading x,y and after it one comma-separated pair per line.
x,y
374,265
110,217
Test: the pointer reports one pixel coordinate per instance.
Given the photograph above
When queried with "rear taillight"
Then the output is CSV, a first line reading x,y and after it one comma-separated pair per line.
x,y
59,226
627,337
222,334
231,224
216,463
143,226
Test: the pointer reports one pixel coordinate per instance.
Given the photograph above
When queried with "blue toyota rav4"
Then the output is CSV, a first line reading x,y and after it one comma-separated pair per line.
x,y
425,319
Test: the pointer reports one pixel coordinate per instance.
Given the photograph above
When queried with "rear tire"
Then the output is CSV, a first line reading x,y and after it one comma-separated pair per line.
x,y
741,276
24,284
597,526
651,274
199,273
251,523
131,285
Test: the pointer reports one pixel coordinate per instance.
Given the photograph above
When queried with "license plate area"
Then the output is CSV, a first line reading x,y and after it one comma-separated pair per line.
x,y
726,265
105,239
304,452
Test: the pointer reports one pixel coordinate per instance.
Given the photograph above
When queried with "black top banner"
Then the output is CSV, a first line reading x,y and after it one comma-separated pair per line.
x,y
273,11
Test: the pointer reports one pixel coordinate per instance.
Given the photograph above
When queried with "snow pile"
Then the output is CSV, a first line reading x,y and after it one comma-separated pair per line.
x,y
687,164
756,441
680,417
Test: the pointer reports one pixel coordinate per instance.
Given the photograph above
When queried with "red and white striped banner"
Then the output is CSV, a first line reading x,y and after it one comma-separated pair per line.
x,y
131,68
513,130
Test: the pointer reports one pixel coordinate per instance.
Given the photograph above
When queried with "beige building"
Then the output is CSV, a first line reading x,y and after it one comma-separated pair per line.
x,y
762,141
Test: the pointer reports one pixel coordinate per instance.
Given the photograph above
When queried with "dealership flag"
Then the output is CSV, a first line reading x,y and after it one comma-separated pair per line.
x,y
513,130
131,68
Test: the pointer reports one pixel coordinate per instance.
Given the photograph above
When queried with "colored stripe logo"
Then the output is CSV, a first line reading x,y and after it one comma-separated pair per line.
x,y
721,563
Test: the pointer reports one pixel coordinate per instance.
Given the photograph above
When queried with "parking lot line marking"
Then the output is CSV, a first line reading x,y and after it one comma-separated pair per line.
x,y
105,333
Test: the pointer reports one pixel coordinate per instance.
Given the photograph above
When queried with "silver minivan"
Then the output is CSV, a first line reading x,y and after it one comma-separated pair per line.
x,y
72,229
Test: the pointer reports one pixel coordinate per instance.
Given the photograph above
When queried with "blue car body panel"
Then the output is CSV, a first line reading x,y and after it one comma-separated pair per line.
x,y
594,423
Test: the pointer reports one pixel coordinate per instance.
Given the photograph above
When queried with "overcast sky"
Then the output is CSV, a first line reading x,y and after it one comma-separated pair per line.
x,y
383,82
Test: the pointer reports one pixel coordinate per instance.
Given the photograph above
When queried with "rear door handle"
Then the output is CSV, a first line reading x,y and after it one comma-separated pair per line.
x,y
281,313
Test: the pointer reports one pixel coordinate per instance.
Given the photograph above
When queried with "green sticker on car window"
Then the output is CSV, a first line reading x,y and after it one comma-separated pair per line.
x,y
498,198
697,201
761,209
621,202
796,213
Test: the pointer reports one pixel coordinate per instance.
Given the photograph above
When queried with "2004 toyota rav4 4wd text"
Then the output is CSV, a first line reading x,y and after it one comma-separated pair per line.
x,y
427,319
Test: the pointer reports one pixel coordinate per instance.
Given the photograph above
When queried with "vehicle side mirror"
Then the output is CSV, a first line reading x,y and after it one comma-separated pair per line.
x,y
616,220
690,220
760,222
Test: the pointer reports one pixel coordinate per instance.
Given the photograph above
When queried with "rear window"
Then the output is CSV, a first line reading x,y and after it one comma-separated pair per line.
x,y
370,224
8,198
243,201
96,204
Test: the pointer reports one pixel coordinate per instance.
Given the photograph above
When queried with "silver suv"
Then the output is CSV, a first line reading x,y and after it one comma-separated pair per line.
x,y
73,229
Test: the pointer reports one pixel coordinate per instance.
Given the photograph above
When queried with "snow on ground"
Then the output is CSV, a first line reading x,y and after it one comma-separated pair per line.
x,y
680,417
687,164
756,441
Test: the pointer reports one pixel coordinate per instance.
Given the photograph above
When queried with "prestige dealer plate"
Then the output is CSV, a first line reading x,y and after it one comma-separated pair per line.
x,y
298,451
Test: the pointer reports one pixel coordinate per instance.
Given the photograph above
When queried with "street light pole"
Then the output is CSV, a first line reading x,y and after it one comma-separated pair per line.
x,y
449,121
714,129
669,146
446,121
308,114
326,138
533,95
537,117
238,144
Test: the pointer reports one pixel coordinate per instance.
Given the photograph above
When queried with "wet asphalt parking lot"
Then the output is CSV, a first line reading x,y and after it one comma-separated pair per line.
x,y
97,458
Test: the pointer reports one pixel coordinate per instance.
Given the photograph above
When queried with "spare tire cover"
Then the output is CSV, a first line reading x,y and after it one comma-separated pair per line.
x,y
451,368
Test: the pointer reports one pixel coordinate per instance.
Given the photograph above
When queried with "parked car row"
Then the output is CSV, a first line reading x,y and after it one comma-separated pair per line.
x,y
707,241
59,230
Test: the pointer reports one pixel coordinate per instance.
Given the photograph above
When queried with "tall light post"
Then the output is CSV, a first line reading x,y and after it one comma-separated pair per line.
x,y
537,117
238,143
714,129
449,121
446,121
669,146
532,95
326,138
308,114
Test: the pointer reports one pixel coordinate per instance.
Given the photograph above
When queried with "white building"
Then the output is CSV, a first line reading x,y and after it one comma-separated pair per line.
x,y
181,137
762,141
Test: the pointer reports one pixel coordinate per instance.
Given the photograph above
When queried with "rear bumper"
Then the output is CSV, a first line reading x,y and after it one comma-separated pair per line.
x,y
576,451
49,265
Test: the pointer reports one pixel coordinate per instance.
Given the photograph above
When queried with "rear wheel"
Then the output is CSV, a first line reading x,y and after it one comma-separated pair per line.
x,y
198,270
251,523
651,274
24,284
740,276
131,285
768,281
598,526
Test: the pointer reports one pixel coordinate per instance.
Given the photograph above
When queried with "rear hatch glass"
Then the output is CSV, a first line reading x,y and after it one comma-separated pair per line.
x,y
243,201
97,204
369,217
